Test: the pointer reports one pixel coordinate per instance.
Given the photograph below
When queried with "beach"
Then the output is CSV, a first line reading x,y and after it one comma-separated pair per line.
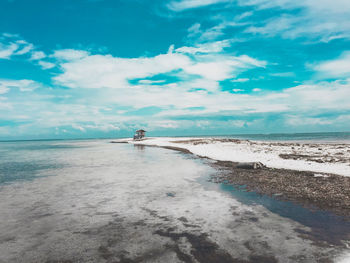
x,y
317,157
313,174
96,201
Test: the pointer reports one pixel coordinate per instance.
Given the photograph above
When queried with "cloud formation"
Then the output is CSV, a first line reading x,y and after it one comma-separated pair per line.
x,y
10,46
180,89
321,20
22,85
336,68
236,66
204,61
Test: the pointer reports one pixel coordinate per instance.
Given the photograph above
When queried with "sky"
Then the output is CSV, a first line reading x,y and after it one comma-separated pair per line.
x,y
104,68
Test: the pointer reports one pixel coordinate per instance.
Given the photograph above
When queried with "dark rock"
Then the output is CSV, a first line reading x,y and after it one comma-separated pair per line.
x,y
250,165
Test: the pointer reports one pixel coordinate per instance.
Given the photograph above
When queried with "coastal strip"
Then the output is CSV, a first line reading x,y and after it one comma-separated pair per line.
x,y
327,188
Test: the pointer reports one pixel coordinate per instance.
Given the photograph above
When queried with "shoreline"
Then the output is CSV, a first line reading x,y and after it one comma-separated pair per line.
x,y
325,191
331,193
317,158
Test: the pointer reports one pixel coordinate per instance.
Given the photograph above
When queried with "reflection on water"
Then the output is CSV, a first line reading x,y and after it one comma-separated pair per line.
x,y
139,147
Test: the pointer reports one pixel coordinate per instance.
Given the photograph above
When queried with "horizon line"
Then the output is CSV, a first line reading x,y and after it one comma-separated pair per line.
x,y
198,135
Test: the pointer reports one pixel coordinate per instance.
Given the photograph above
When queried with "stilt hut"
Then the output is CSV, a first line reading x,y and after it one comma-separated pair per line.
x,y
139,134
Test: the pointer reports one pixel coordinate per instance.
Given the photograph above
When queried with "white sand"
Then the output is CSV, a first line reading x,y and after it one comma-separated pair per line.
x,y
326,158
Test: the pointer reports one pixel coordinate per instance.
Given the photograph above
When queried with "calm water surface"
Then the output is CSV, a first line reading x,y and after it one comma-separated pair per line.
x,y
93,201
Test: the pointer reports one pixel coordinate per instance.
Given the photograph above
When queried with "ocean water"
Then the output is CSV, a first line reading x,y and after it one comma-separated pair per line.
x,y
27,160
94,201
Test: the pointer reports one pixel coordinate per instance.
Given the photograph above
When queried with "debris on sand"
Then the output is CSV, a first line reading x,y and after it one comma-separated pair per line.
x,y
250,165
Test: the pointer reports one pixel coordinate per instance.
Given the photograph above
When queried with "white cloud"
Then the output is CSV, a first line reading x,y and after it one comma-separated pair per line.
x,y
213,47
22,85
194,30
221,67
78,127
240,80
6,51
37,55
163,124
322,19
322,96
178,101
12,45
45,64
3,89
283,74
105,127
97,71
108,73
237,90
336,6
4,104
70,54
9,35
18,47
339,67
216,31
108,127
302,121
213,70
148,81
188,4
303,98
200,69
25,49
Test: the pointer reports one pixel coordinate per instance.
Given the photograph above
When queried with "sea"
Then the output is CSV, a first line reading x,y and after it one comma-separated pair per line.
x,y
96,201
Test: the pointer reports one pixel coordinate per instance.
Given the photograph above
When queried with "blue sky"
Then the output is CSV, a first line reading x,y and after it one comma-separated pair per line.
x,y
103,68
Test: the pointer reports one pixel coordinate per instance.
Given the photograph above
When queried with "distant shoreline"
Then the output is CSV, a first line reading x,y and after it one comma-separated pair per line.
x,y
297,137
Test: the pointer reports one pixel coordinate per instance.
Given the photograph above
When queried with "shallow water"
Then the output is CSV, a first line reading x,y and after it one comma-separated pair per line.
x,y
92,201
325,225
27,160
